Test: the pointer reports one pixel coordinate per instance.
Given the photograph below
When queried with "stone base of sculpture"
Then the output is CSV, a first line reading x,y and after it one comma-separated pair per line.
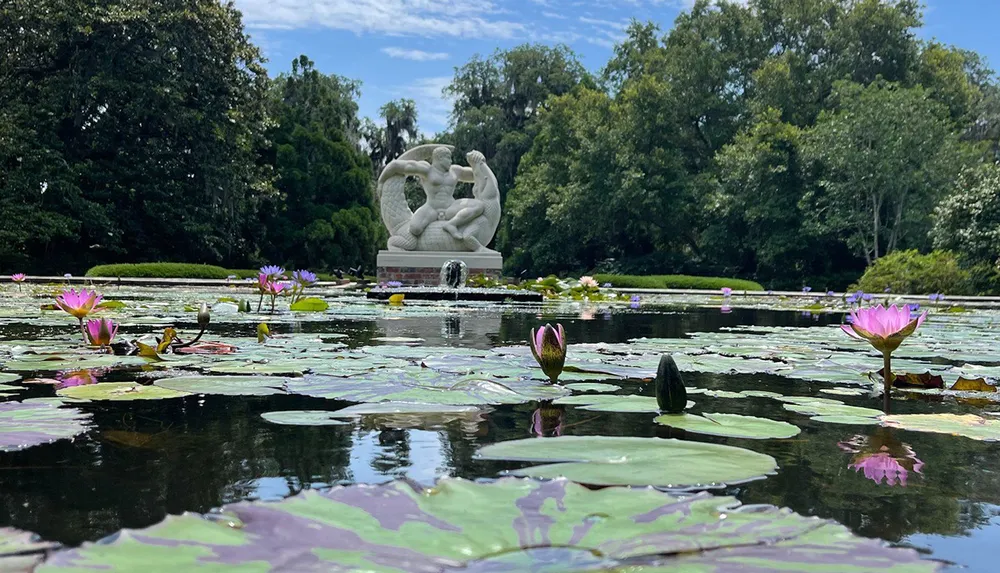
x,y
423,268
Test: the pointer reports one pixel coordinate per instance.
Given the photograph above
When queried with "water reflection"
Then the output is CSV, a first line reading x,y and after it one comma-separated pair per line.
x,y
78,378
882,458
547,421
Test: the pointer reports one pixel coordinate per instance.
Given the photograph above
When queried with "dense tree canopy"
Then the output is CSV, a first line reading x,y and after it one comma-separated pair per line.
x,y
785,141
132,132
325,216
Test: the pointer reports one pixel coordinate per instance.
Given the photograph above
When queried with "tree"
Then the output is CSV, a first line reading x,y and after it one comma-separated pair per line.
x,y
387,142
968,221
145,121
497,99
325,216
883,157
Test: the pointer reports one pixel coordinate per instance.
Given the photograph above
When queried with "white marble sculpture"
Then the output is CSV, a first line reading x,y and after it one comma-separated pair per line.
x,y
442,223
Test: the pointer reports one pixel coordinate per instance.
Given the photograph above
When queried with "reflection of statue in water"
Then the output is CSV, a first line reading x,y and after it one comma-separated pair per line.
x,y
442,223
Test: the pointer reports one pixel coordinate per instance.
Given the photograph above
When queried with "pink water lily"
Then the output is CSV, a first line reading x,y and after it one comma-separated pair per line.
x,y
79,304
548,346
18,277
885,329
101,332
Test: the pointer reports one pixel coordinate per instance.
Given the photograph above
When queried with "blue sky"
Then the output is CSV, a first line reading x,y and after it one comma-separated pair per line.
x,y
409,48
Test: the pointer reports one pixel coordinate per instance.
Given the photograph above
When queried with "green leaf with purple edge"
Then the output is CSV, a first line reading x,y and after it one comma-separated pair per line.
x,y
606,461
425,386
23,425
506,526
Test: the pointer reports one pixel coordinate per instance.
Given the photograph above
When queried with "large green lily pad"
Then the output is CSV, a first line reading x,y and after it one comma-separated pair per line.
x,y
425,386
507,526
303,418
20,550
823,408
601,460
119,392
6,377
730,426
225,385
968,425
23,425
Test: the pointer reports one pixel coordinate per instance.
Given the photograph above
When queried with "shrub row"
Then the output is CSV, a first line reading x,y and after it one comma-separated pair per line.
x,y
677,282
178,271
160,271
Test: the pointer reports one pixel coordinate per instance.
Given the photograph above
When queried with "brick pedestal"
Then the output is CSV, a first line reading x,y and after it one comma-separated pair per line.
x,y
424,268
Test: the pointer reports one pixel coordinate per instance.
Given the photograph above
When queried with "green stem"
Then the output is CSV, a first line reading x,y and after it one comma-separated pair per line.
x,y
260,302
83,331
888,379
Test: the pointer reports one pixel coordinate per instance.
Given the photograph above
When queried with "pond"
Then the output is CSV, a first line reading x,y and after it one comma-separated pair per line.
x,y
224,428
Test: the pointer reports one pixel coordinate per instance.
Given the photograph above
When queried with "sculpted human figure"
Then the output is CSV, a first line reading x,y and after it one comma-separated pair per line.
x,y
465,224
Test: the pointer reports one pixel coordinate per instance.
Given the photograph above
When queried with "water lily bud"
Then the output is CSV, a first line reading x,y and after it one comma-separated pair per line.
x,y
204,316
548,346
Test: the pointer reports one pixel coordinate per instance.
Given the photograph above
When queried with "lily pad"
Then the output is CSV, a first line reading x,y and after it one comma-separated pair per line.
x,y
424,386
601,460
593,387
309,305
225,385
403,415
844,391
760,394
730,426
23,425
303,418
607,403
507,526
20,550
289,367
824,409
118,392
967,425
6,377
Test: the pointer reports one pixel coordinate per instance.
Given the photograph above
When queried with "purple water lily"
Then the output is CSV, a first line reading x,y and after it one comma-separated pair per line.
x,y
101,332
304,278
727,292
807,289
936,297
548,346
394,284
272,271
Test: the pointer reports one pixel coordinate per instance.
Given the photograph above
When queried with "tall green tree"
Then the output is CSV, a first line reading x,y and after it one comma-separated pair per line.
x,y
145,119
883,158
497,99
325,216
386,142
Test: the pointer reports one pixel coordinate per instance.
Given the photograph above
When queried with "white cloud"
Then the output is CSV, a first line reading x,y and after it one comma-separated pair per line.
x,y
427,18
415,55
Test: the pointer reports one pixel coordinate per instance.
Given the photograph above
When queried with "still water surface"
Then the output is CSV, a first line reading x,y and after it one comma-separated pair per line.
x,y
150,459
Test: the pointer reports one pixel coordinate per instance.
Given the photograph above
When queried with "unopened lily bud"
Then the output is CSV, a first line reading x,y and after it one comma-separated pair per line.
x,y
204,316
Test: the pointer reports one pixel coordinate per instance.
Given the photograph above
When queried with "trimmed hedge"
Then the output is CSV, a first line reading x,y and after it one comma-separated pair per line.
x,y
677,282
160,271
180,271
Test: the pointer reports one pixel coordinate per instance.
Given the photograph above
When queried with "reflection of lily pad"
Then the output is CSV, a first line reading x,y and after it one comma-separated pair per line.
x,y
507,526
303,418
23,425
599,460
730,426
425,386
118,392
225,385
968,425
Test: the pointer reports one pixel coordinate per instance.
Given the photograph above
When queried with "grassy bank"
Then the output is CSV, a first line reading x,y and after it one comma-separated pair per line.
x,y
677,282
